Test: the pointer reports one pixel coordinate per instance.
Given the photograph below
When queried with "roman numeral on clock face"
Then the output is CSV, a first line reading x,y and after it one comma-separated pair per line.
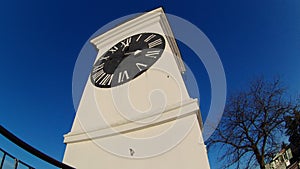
x,y
98,75
138,38
113,49
123,75
103,58
126,43
152,53
141,66
98,67
106,80
155,43
149,38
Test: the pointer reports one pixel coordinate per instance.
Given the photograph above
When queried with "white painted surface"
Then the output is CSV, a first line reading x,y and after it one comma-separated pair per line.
x,y
189,154
149,122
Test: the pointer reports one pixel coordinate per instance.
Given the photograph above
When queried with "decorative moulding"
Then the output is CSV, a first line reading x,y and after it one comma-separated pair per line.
x,y
137,24
187,108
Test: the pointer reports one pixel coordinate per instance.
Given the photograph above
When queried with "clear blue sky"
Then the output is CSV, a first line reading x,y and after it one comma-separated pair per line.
x,y
40,42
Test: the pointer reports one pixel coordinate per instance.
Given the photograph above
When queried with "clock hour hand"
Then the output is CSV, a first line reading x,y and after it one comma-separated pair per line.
x,y
134,53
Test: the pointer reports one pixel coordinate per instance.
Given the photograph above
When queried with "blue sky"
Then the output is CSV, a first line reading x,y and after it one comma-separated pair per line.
x,y
40,42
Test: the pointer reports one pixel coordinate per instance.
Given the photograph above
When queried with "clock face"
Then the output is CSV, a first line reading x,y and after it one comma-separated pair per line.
x,y
127,59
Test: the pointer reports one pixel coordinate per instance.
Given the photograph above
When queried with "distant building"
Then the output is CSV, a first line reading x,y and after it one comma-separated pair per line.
x,y
284,160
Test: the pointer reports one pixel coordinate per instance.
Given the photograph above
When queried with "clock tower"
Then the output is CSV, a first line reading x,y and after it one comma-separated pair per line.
x,y
135,111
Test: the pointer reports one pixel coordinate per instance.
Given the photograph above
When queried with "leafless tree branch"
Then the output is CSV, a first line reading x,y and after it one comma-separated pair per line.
x,y
252,121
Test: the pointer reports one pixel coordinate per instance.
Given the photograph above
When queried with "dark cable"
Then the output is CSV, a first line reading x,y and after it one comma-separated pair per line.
x,y
32,150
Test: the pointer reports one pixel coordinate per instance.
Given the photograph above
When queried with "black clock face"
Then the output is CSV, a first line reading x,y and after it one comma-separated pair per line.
x,y
127,59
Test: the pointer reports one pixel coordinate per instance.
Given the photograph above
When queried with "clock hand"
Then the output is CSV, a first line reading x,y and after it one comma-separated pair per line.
x,y
134,53
137,52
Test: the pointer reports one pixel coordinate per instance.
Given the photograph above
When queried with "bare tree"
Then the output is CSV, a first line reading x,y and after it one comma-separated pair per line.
x,y
292,124
252,125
